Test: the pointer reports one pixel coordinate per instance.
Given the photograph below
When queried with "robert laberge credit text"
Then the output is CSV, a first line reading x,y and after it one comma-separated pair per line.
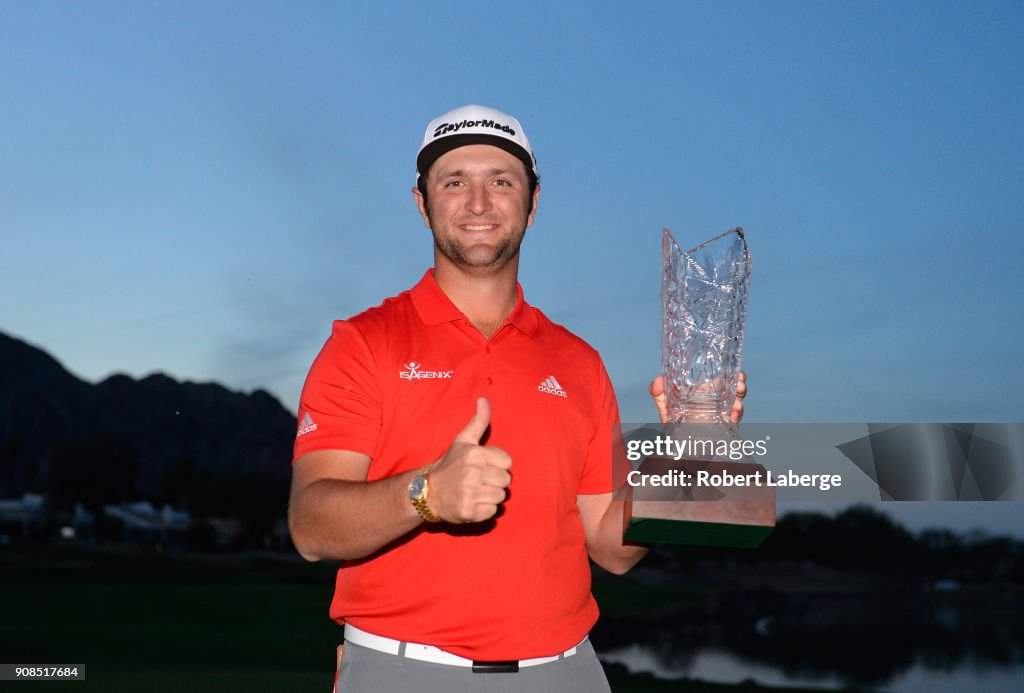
x,y
678,477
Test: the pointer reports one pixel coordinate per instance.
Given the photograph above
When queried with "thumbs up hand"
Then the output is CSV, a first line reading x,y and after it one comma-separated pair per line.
x,y
468,483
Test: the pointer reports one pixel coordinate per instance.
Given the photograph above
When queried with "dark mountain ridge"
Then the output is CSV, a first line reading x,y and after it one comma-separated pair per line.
x,y
197,445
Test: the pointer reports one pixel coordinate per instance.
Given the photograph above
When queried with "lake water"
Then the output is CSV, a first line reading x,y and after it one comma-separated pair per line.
x,y
710,664
900,640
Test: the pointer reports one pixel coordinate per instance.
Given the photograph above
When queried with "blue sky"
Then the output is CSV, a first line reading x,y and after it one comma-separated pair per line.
x,y
200,188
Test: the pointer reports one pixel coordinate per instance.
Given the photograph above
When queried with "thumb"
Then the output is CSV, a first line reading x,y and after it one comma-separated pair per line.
x,y
476,427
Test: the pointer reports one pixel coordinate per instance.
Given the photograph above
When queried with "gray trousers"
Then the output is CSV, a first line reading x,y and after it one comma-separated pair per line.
x,y
364,670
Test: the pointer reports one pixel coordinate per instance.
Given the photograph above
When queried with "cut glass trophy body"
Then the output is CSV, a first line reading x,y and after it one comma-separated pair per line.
x,y
703,310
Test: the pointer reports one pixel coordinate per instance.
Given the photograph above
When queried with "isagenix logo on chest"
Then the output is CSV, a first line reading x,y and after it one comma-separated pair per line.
x,y
413,371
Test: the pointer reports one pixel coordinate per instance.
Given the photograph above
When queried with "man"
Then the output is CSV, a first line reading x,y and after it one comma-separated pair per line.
x,y
455,451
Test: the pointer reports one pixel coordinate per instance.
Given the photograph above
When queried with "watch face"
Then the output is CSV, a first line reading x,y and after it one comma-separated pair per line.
x,y
417,487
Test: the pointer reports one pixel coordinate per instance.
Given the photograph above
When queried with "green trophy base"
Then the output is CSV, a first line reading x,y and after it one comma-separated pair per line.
x,y
738,511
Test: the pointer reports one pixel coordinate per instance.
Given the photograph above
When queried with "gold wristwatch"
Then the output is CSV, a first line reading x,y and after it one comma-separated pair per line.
x,y
419,487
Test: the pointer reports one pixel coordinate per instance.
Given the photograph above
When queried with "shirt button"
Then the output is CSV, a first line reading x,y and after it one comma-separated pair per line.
x,y
490,380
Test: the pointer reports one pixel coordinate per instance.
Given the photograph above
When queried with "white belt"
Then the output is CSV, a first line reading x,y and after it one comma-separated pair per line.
x,y
429,653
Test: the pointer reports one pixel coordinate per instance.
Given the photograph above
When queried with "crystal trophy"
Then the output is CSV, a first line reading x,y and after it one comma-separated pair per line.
x,y
704,306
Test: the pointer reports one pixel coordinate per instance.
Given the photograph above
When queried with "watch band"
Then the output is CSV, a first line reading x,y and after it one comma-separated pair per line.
x,y
420,501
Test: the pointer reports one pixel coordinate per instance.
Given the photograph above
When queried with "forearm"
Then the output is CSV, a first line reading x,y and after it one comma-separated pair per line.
x,y
602,522
340,520
335,513
610,551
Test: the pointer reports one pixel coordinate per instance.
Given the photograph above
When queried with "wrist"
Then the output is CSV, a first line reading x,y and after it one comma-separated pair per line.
x,y
419,495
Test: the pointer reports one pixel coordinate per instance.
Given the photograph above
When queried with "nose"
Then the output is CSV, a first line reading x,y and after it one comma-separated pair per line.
x,y
478,201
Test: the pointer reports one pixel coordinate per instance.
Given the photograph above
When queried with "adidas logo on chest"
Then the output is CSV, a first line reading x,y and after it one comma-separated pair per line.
x,y
551,387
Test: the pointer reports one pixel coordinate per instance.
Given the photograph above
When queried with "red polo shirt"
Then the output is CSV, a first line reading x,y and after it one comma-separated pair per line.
x,y
397,383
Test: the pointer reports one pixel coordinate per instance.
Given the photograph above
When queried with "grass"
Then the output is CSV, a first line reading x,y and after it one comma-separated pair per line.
x,y
143,620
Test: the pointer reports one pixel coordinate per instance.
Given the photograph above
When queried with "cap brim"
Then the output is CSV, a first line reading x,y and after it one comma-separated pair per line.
x,y
438,148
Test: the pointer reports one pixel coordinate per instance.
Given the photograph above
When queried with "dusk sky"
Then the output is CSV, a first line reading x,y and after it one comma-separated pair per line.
x,y
200,188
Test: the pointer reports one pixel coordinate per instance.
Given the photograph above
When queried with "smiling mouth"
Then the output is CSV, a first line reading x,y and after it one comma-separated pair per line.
x,y
479,227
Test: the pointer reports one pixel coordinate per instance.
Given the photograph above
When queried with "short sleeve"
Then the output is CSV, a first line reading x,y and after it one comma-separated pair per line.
x,y
602,455
340,406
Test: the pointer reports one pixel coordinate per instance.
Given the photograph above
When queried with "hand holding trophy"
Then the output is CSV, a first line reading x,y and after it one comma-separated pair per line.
x,y
704,305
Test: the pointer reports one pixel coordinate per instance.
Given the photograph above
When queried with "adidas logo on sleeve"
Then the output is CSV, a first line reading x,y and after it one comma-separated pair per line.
x,y
306,425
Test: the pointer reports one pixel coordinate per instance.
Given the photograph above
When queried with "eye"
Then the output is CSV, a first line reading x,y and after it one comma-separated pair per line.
x,y
454,183
503,182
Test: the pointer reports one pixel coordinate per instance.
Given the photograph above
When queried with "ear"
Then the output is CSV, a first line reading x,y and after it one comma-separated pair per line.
x,y
421,205
533,206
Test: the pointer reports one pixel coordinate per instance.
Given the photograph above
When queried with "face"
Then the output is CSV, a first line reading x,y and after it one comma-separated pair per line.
x,y
479,206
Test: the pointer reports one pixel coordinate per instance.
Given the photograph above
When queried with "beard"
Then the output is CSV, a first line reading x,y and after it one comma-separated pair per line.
x,y
481,257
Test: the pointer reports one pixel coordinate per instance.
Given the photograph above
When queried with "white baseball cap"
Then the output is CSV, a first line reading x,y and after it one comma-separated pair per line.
x,y
474,125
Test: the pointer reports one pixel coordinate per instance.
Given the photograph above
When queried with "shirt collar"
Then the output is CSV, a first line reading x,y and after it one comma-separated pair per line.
x,y
434,307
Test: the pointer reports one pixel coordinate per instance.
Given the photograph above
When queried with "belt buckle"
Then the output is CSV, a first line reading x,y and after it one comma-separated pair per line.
x,y
509,667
